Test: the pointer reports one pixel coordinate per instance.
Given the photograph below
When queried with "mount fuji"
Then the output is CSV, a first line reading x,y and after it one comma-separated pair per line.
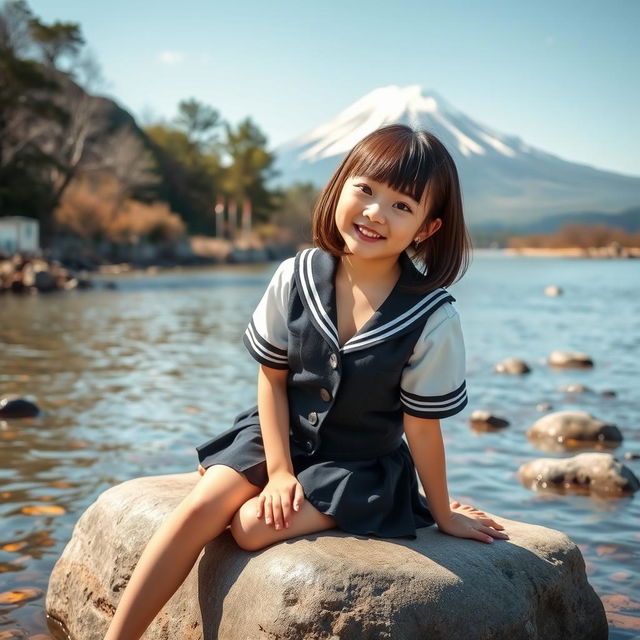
x,y
505,181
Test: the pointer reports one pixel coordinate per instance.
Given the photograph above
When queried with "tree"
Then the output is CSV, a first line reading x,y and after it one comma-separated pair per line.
x,y
251,166
190,178
56,40
26,115
199,121
294,210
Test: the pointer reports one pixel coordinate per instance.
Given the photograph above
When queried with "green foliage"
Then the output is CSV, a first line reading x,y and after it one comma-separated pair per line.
x,y
199,122
56,40
250,168
295,208
189,176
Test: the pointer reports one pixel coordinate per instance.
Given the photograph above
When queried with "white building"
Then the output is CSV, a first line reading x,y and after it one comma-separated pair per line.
x,y
18,233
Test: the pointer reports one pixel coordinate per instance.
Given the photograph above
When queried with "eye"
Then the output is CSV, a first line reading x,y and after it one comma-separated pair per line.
x,y
406,207
365,186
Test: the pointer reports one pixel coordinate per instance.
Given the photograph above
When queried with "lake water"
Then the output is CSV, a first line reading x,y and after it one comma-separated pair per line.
x,y
131,380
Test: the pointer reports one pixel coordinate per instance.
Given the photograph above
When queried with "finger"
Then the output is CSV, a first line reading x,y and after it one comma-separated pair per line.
x,y
476,533
268,510
285,501
299,498
454,505
260,509
277,512
494,534
488,522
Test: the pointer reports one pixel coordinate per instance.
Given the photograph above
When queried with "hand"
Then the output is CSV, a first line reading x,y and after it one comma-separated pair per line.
x,y
281,493
477,528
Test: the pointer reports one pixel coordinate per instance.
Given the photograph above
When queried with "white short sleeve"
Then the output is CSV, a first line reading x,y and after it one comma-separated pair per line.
x,y
433,380
266,335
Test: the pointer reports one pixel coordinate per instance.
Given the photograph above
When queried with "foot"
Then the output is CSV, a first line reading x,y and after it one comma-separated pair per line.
x,y
474,512
467,509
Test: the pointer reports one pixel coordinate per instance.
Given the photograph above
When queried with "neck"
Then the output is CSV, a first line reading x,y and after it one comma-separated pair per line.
x,y
363,272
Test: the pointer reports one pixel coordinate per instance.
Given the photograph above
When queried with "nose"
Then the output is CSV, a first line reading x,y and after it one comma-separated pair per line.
x,y
374,212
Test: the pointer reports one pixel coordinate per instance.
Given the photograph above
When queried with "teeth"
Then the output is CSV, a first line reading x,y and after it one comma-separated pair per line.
x,y
369,234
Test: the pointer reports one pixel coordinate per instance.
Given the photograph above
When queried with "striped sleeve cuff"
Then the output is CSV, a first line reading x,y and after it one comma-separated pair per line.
x,y
264,352
435,406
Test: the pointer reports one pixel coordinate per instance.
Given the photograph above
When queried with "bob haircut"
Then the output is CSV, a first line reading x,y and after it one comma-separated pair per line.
x,y
411,162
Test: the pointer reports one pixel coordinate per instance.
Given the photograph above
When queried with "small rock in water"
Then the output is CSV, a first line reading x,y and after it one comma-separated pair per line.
x,y
630,455
597,473
574,428
570,360
574,388
544,406
484,420
17,407
608,393
513,366
552,290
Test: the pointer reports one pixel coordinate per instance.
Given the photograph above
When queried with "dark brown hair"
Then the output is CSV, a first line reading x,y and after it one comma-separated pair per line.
x,y
409,161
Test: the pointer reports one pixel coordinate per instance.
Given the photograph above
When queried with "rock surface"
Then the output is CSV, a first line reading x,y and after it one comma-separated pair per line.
x,y
573,428
330,585
597,473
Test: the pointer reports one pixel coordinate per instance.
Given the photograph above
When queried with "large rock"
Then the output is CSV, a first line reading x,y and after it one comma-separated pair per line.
x,y
329,585
572,429
598,473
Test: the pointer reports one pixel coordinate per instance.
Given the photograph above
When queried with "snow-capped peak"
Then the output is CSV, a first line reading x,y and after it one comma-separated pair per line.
x,y
392,104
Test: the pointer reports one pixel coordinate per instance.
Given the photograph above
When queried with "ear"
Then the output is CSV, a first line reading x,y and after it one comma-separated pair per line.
x,y
432,227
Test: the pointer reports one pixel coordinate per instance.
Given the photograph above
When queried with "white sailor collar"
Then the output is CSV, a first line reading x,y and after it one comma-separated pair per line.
x,y
401,311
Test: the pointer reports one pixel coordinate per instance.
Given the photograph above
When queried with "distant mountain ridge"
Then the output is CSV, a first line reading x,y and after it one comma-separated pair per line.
x,y
504,179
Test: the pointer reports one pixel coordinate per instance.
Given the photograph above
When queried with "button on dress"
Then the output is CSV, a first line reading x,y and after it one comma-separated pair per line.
x,y
346,402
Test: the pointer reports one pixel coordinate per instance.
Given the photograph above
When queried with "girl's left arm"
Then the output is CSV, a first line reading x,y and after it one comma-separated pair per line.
x,y
427,449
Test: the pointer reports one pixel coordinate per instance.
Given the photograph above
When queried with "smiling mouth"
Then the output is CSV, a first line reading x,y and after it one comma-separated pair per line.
x,y
368,233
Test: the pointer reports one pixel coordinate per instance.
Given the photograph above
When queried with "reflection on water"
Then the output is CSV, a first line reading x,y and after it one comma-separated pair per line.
x,y
131,380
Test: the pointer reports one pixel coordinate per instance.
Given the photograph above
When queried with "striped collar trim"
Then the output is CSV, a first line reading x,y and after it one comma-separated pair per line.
x,y
315,272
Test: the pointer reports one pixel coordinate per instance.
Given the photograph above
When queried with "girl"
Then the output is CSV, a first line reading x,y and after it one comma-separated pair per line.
x,y
358,344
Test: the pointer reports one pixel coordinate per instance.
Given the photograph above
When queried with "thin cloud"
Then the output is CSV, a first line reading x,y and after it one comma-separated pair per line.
x,y
171,58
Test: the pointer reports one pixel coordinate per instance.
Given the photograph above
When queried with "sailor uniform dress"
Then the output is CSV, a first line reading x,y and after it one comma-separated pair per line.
x,y
346,402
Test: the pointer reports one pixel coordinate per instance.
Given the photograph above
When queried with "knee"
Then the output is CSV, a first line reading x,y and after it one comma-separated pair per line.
x,y
245,527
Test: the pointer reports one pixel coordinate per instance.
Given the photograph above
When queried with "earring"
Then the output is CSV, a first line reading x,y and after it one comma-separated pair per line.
x,y
416,242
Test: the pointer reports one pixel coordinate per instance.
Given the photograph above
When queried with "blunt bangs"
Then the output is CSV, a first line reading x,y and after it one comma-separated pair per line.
x,y
396,158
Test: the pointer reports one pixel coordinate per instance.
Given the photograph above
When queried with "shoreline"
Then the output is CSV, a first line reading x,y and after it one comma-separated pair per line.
x,y
608,252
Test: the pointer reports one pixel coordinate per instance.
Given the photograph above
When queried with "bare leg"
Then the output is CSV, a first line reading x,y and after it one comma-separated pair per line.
x,y
252,534
175,546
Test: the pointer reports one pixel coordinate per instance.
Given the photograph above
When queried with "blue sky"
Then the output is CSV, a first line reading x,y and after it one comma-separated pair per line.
x,y
561,75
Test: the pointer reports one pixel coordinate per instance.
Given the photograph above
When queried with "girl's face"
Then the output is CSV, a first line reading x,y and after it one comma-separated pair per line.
x,y
376,221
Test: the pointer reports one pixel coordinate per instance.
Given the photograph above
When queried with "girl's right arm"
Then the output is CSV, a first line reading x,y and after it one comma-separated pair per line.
x,y
283,491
